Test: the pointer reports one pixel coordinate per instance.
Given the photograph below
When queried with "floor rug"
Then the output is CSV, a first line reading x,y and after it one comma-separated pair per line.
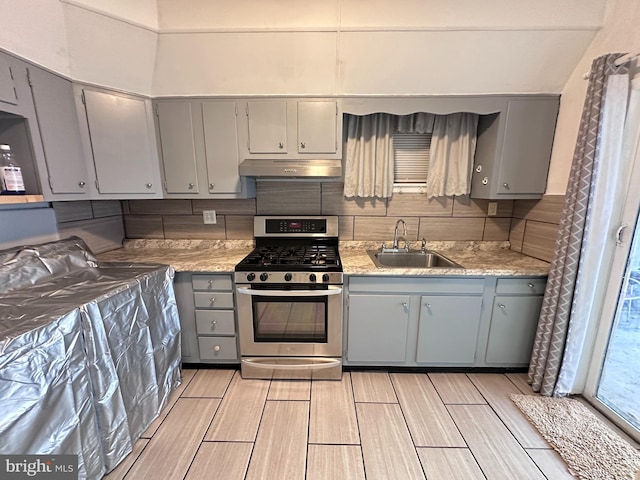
x,y
589,447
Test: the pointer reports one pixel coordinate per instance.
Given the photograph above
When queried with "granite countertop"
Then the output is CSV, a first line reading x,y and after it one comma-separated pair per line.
x,y
477,258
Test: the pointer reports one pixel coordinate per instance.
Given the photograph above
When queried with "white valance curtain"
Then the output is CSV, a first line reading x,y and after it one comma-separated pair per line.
x,y
369,162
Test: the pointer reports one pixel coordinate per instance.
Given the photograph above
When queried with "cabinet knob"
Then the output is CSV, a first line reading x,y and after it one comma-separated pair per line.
x,y
81,184
210,283
191,186
211,185
428,305
212,300
505,185
280,145
149,185
302,145
502,305
530,285
216,348
213,325
405,305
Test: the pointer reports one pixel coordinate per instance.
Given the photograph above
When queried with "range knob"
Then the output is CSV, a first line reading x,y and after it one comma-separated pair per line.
x,y
251,277
312,277
325,277
287,277
264,276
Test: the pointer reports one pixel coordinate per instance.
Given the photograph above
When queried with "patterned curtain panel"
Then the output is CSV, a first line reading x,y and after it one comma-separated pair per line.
x,y
555,317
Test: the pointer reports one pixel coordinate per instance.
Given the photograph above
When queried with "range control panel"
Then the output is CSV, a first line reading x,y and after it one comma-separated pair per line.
x,y
313,225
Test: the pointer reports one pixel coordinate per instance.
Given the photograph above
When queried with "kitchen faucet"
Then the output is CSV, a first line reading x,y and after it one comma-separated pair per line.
x,y
395,235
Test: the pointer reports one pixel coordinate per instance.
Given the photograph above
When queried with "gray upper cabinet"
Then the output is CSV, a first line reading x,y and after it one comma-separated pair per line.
x,y
178,149
513,149
66,168
221,147
267,127
198,143
317,129
291,129
121,139
8,93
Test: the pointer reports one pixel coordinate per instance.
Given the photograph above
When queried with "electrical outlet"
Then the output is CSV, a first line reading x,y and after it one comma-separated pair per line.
x,y
209,216
493,209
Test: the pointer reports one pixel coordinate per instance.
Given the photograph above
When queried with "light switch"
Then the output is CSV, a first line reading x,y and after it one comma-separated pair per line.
x,y
492,210
209,216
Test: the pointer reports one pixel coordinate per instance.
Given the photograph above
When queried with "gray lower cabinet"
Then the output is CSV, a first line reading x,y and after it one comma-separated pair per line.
x,y
448,329
207,317
441,321
514,321
413,321
378,328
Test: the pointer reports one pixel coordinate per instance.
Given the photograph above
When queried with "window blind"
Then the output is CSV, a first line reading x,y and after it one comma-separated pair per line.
x,y
411,157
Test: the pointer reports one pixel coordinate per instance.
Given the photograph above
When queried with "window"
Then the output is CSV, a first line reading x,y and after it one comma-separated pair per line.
x,y
411,161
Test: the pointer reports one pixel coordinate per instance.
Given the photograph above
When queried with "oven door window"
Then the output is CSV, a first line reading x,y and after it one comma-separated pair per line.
x,y
290,319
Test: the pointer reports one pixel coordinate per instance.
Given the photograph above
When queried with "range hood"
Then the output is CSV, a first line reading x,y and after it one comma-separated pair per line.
x,y
315,168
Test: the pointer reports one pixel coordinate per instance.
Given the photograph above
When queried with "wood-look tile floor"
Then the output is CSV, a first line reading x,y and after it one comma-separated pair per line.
x,y
369,425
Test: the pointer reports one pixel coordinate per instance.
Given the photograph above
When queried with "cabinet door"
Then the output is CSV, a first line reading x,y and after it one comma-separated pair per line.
x,y
377,329
175,123
513,328
60,132
119,130
186,312
448,329
317,127
7,87
221,146
527,143
267,127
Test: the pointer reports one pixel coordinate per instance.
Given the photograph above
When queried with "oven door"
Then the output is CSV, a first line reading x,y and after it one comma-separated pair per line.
x,y
290,320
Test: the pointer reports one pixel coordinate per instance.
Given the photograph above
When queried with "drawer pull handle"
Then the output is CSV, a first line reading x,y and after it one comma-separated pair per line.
x,y
213,324
212,299
502,305
211,283
530,285
216,348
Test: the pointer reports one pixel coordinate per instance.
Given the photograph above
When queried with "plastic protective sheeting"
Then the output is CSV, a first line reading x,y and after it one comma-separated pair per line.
x,y
88,354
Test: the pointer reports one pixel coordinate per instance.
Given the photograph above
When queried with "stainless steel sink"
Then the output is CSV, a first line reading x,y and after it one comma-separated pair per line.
x,y
411,259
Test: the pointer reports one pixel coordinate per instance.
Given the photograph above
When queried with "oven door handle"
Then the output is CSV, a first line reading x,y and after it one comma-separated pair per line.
x,y
333,290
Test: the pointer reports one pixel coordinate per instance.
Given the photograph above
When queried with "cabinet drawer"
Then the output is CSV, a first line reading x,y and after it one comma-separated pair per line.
x,y
211,282
213,299
217,348
215,322
521,286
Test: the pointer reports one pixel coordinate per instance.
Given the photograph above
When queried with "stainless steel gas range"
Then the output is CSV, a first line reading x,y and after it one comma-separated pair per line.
x,y
289,295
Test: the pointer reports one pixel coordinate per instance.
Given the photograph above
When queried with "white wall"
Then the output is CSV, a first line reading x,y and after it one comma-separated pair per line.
x,y
35,30
237,47
620,33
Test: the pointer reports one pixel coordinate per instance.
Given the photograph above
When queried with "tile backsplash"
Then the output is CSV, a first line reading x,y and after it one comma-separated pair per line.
x,y
530,225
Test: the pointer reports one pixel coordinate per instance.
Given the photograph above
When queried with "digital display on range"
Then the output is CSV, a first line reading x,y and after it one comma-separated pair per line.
x,y
278,225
